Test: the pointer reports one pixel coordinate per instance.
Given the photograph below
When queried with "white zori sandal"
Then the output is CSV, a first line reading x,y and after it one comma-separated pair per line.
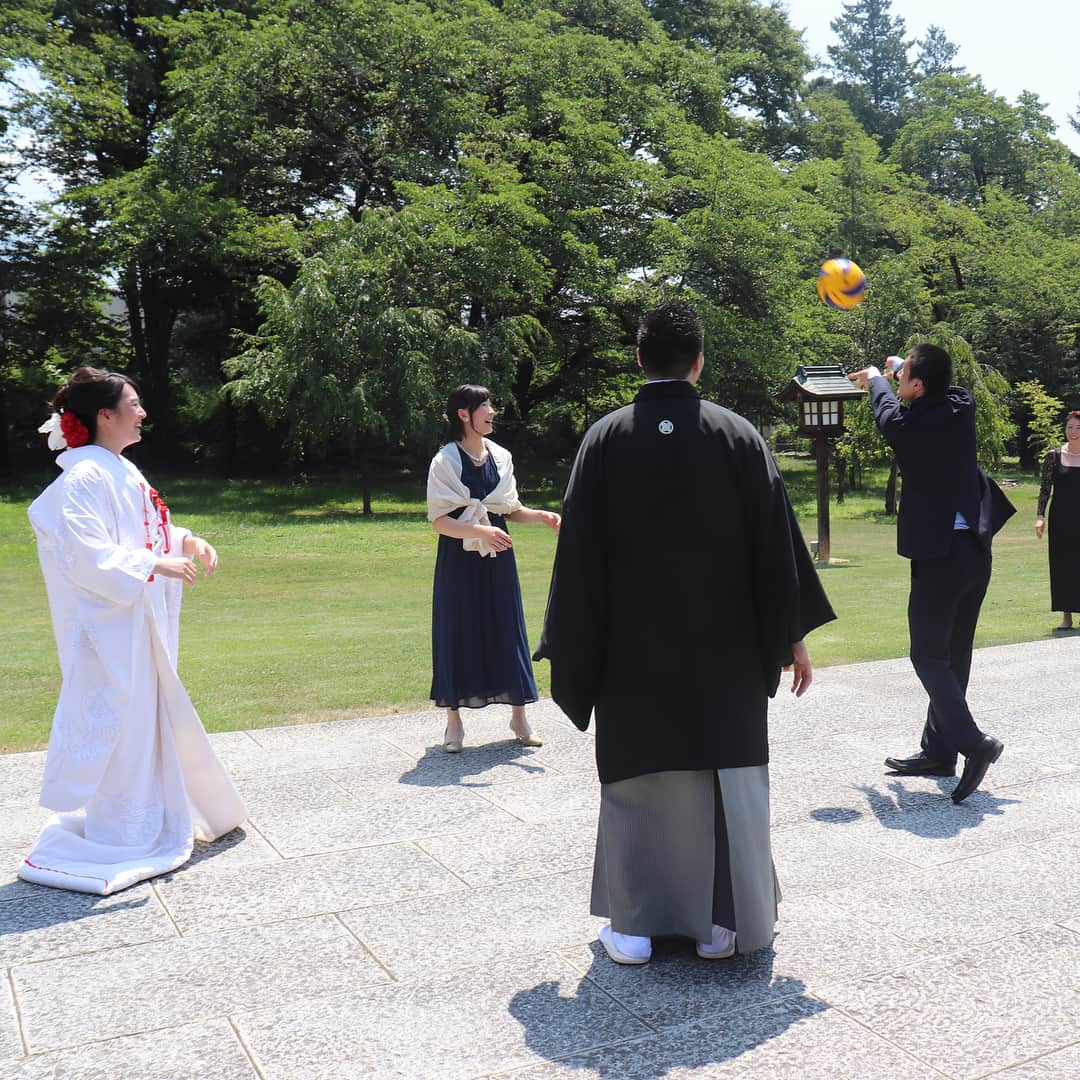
x,y
720,948
625,948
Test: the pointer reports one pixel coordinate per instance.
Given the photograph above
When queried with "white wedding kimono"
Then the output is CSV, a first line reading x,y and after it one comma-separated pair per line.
x,y
130,770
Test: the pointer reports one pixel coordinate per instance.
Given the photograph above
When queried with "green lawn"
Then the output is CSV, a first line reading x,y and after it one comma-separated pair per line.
x,y
317,612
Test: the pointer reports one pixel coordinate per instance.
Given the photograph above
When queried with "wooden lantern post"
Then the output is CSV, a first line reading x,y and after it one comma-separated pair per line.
x,y
821,392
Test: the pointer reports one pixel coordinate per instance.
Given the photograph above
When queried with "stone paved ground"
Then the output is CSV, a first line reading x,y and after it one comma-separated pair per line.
x,y
391,911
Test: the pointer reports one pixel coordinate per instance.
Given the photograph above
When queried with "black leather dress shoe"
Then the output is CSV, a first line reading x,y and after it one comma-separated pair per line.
x,y
919,765
975,765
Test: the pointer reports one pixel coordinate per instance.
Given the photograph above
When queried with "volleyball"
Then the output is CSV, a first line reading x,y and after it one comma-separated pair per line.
x,y
841,284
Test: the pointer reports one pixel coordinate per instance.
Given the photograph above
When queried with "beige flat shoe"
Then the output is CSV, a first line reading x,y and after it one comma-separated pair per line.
x,y
532,739
453,746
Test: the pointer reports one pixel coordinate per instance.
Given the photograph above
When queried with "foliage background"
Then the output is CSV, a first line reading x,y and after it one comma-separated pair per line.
x,y
298,223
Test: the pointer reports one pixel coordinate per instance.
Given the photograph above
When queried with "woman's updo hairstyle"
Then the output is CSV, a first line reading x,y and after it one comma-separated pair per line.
x,y
464,397
88,391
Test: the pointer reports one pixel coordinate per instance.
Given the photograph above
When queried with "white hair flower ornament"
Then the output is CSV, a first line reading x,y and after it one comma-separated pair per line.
x,y
51,427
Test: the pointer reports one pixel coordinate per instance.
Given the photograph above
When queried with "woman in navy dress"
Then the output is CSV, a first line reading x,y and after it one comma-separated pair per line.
x,y
480,650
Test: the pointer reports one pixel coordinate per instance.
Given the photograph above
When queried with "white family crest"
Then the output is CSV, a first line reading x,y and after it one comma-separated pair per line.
x,y
665,427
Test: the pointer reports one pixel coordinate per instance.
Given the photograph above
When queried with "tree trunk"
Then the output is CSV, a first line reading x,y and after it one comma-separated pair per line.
x,y
5,451
890,490
151,318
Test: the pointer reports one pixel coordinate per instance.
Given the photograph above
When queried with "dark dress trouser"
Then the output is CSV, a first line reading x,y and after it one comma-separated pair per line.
x,y
943,610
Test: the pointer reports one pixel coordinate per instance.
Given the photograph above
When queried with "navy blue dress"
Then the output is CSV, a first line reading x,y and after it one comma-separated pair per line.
x,y
479,647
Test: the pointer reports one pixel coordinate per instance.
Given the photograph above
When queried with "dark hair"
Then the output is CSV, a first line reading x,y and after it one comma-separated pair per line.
x,y
669,340
1074,415
933,365
464,397
88,391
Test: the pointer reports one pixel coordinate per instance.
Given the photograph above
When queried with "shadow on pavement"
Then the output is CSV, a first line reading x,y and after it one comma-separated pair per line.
x,y
42,907
722,1010
437,768
896,809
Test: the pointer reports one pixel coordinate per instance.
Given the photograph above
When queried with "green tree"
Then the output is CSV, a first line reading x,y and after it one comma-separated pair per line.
x,y
871,64
963,140
936,54
98,120
357,353
994,427
1042,413
760,56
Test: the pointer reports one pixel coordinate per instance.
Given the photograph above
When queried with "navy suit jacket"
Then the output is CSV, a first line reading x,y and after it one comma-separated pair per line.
x,y
934,443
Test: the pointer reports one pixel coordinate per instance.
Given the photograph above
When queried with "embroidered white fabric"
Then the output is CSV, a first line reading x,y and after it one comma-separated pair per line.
x,y
130,771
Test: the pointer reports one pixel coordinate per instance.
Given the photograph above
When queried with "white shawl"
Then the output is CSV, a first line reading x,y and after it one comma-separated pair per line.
x,y
446,491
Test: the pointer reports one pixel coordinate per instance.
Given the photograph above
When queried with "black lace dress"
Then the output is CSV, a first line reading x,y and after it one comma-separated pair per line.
x,y
1061,488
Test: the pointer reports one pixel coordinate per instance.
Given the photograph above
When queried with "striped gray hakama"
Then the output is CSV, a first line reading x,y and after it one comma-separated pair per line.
x,y
677,852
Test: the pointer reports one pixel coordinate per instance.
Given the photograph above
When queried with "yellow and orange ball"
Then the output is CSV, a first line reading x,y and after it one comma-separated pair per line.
x,y
841,284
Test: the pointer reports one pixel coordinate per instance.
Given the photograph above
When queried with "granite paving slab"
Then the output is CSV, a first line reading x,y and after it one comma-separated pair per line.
x,y
942,832
485,925
191,1052
50,923
20,824
794,1039
569,752
243,846
275,794
298,830
20,777
979,1009
286,755
1052,1066
11,1044
164,984
817,857
513,850
1057,750
497,763
448,1027
849,796
393,910
11,886
312,885
825,755
559,798
815,942
986,897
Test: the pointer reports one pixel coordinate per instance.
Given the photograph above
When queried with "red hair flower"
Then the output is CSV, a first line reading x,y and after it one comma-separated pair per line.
x,y
73,430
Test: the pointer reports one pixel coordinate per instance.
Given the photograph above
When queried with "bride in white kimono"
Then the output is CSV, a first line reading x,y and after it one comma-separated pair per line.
x,y
130,772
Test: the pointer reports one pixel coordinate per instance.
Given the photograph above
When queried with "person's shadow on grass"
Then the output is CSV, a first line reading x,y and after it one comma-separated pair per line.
x,y
437,768
616,1022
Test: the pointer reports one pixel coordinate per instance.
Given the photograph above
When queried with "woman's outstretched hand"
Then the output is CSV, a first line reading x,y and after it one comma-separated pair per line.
x,y
177,567
494,537
195,547
551,519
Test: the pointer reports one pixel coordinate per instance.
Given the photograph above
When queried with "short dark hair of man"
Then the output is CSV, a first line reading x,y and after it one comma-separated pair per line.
x,y
933,365
669,339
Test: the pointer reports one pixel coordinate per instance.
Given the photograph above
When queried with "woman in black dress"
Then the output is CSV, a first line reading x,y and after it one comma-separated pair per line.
x,y
1061,477
480,651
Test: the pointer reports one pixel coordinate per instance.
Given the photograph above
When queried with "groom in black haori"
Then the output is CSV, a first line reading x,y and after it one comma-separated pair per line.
x,y
681,587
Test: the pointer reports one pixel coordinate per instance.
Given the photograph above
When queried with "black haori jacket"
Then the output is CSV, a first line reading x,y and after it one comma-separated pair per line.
x,y
680,582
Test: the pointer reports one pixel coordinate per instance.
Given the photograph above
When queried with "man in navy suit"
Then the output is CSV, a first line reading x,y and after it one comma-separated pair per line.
x,y
949,512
